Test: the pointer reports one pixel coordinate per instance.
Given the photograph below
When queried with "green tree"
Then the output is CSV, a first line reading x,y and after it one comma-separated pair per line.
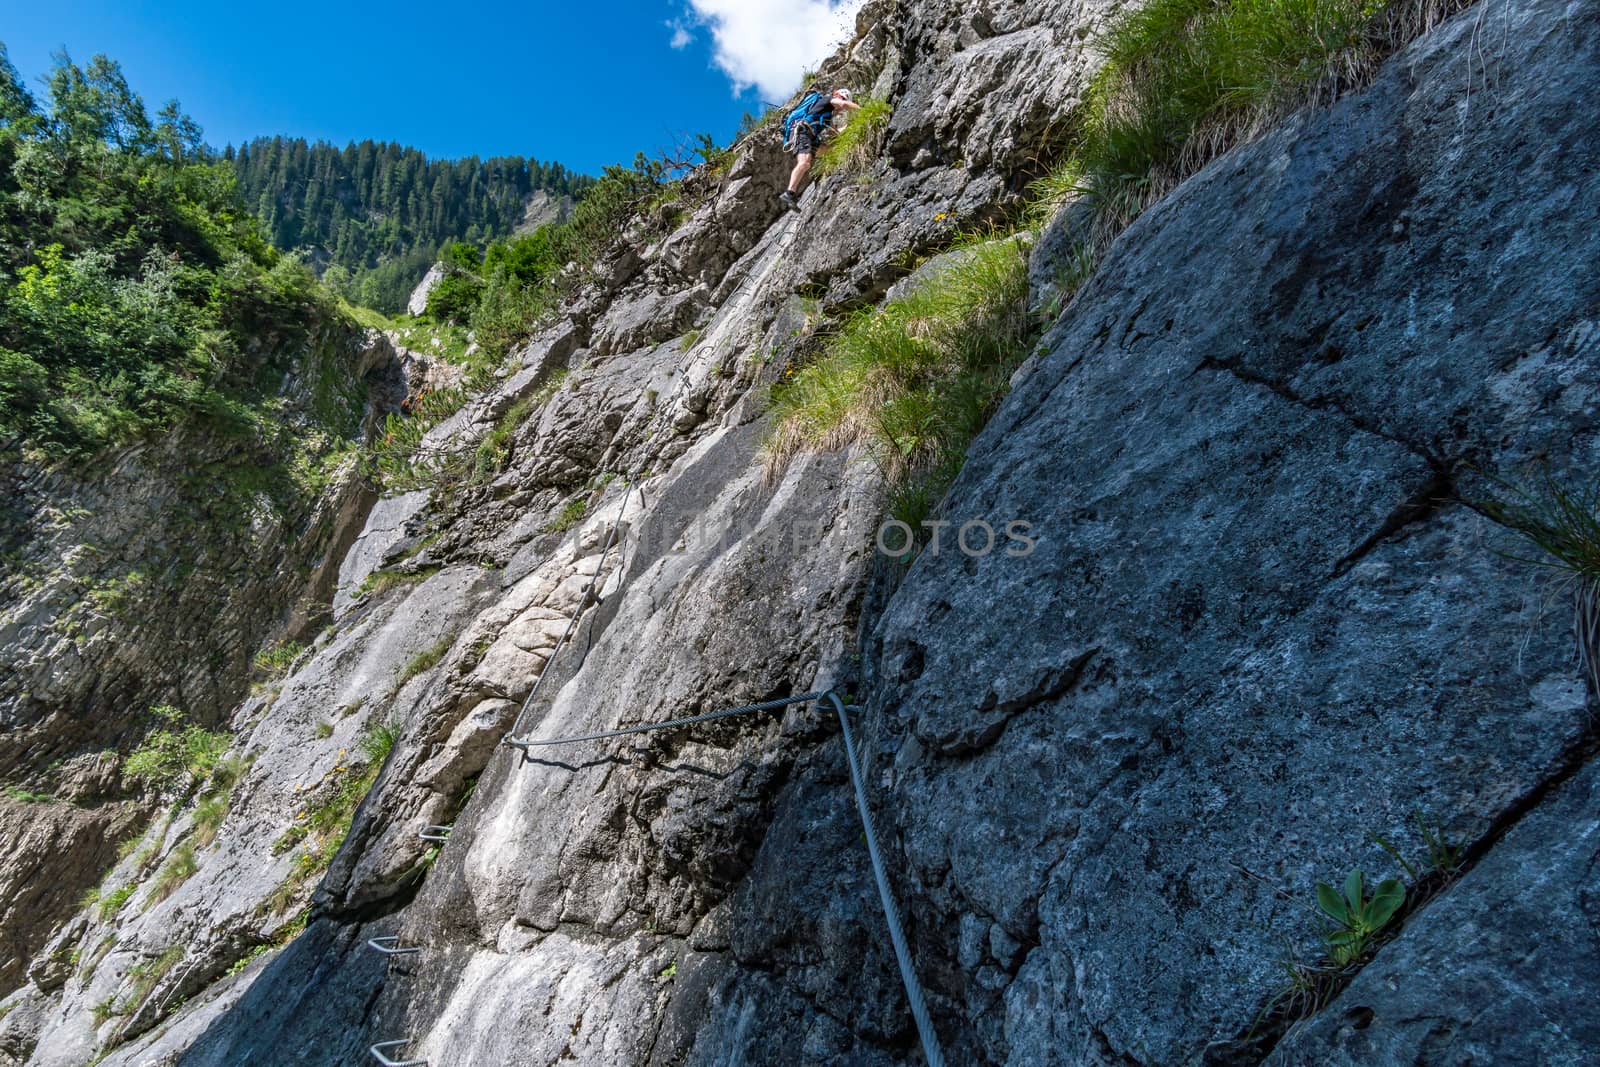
x,y
370,206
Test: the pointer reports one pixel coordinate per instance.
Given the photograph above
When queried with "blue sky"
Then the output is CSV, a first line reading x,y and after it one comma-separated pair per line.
x,y
586,83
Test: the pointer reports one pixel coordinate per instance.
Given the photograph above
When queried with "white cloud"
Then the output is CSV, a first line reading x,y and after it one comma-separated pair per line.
x,y
681,35
770,43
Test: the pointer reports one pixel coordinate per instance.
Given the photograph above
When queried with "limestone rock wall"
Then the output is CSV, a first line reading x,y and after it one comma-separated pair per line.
x,y
152,577
1258,631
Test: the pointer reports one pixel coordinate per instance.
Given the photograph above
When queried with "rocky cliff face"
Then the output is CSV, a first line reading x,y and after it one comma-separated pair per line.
x,y
1255,636
154,578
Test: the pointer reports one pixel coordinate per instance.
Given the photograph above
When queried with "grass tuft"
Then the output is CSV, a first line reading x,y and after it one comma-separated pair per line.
x,y
179,868
427,659
178,751
322,826
1564,524
1185,80
917,377
275,662
569,516
208,816
857,145
111,903
380,582
495,447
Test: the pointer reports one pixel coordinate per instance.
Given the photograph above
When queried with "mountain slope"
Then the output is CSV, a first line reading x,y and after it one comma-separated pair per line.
x,y
1259,629
381,212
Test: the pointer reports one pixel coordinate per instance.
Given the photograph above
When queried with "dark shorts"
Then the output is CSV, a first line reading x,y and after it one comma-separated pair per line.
x,y
802,139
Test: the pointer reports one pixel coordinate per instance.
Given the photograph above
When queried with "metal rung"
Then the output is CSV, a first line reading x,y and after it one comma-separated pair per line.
x,y
434,833
390,946
377,1054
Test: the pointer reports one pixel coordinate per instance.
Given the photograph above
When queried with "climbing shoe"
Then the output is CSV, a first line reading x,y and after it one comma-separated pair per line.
x,y
789,200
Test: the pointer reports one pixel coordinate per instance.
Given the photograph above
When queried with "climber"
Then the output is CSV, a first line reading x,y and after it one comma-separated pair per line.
x,y
802,135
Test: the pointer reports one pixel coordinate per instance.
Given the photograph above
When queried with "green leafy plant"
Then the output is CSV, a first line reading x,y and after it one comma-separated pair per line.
x,y
1356,916
176,751
117,596
137,295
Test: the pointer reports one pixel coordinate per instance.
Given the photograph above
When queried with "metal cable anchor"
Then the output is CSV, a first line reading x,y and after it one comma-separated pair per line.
x,y
377,1054
390,946
434,833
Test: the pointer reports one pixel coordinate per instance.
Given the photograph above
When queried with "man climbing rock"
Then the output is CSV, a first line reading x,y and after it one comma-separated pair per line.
x,y
802,135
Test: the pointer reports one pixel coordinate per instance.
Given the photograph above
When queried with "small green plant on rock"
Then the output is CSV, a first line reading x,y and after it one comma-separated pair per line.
x,y
276,660
917,377
490,458
1357,916
208,816
1445,857
176,750
856,146
324,823
551,386
145,978
569,516
427,659
379,582
179,868
112,902
118,596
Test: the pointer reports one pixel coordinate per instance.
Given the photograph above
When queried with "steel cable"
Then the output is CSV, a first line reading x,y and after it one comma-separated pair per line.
x,y
766,705
891,915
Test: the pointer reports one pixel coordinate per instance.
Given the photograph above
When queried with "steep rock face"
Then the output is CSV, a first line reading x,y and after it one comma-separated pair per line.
x,y
153,577
1253,630
417,302
1256,630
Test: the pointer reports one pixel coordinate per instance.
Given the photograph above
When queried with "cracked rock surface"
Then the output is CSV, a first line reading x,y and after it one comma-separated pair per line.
x,y
1274,633
1257,631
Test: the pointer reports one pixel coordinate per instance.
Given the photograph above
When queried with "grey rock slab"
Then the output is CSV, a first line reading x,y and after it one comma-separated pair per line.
x,y
1254,630
1500,968
388,524
417,302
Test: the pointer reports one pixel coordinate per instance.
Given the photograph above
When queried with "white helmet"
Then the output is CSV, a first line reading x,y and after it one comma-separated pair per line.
x,y
844,93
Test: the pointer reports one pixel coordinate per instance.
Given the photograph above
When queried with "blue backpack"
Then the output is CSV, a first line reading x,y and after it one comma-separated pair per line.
x,y
814,110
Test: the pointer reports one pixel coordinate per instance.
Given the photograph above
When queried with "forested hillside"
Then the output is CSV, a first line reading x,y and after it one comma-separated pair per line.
x,y
136,293
377,213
